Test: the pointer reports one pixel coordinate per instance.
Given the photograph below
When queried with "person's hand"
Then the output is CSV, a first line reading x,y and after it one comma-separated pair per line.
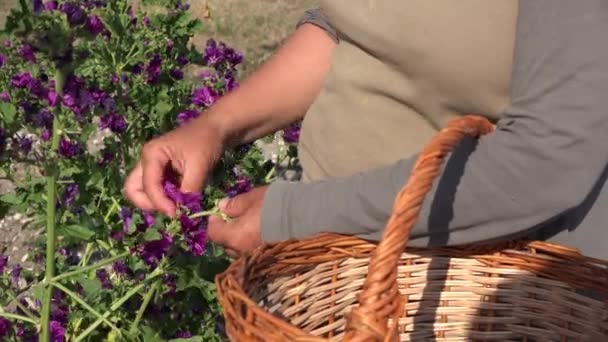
x,y
191,151
242,232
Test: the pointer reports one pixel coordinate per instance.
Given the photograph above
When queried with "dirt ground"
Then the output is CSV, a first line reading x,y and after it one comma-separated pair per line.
x,y
255,27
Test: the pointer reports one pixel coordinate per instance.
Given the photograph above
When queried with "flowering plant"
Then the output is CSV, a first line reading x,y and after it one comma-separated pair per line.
x,y
83,85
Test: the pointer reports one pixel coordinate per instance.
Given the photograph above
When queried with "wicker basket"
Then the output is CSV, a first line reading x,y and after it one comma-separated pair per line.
x,y
341,288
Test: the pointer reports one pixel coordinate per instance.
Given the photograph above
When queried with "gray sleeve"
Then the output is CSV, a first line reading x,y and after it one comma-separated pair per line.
x,y
546,155
316,17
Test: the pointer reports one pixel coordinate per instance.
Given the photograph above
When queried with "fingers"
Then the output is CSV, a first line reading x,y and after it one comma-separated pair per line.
x,y
220,232
134,189
153,164
236,206
193,178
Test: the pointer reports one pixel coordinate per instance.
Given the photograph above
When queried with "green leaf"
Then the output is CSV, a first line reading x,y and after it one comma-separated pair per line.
x,y
151,235
13,198
149,335
8,112
77,231
91,287
191,339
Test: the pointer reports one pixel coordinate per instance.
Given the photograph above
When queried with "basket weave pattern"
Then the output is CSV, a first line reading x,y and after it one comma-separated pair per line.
x,y
340,288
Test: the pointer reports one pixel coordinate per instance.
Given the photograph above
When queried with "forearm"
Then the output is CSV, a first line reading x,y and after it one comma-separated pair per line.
x,y
278,93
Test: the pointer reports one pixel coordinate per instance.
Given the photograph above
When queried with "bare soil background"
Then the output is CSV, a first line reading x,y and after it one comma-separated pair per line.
x,y
255,27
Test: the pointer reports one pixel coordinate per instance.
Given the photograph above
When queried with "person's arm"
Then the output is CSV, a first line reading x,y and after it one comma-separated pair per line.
x,y
282,89
548,152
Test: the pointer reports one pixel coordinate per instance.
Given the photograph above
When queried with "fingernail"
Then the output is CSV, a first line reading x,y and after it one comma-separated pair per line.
x,y
223,203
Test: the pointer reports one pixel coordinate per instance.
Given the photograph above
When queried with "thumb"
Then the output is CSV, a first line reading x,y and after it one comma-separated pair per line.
x,y
193,179
235,206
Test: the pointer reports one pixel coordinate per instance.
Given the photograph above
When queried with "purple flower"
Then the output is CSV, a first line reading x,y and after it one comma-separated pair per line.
x,y
242,185
21,80
24,144
57,331
183,334
5,327
170,44
114,79
106,157
94,25
146,21
230,83
104,278
218,54
182,60
126,216
132,16
191,201
291,134
69,149
52,98
3,263
37,89
2,60
197,242
45,135
178,74
180,6
76,16
43,118
51,5
153,69
72,191
113,121
136,69
204,97
2,146
148,222
7,43
16,273
120,267
186,116
27,53
153,251
37,6
4,97
69,100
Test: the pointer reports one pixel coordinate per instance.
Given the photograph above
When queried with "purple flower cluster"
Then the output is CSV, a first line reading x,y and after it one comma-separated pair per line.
x,y
218,55
114,122
5,327
204,96
153,251
27,52
24,144
69,149
153,69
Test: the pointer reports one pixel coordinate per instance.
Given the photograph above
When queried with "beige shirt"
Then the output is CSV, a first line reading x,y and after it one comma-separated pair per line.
x,y
404,67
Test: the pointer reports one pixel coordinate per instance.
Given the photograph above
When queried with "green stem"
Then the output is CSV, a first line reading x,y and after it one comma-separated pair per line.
x,y
84,304
18,317
113,308
143,307
50,218
88,268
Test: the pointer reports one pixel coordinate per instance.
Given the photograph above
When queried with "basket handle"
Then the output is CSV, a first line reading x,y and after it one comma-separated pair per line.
x,y
380,298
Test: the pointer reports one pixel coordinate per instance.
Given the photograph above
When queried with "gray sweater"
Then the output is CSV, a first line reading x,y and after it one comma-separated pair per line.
x,y
541,174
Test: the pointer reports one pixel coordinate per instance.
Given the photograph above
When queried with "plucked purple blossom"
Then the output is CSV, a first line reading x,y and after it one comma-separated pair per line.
x,y
57,331
186,116
24,143
242,185
94,25
204,96
291,134
192,201
45,135
69,149
76,15
3,263
21,80
5,327
26,52
114,122
4,97
104,278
